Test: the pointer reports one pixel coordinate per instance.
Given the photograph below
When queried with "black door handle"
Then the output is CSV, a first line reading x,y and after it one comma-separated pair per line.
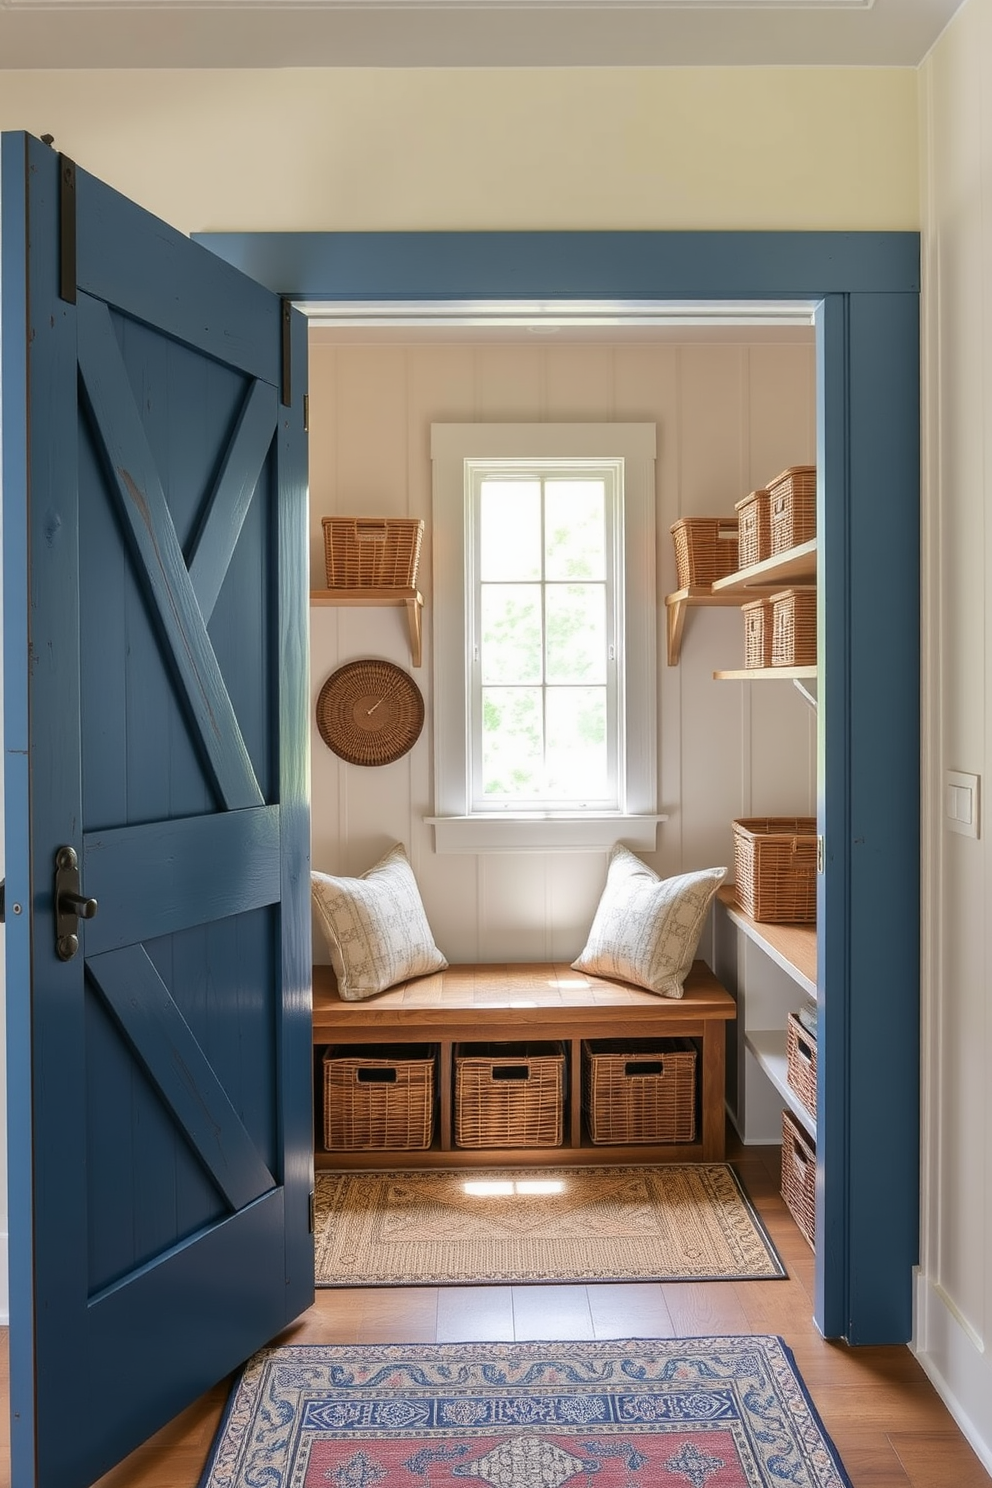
x,y
70,905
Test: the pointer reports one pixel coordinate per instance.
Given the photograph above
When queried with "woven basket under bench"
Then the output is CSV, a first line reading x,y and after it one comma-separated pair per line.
x,y
639,1090
509,1095
378,1097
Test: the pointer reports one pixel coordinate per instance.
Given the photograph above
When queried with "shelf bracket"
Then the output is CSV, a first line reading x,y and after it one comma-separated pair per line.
x,y
410,599
807,689
414,613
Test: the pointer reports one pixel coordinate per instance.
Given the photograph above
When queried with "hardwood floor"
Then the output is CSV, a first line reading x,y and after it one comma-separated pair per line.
x,y
888,1423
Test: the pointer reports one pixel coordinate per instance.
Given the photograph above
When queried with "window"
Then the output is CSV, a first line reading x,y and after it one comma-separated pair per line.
x,y
544,630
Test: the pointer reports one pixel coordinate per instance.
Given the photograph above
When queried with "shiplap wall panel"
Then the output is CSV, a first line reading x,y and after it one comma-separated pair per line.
x,y
579,385
441,385
511,383
712,403
782,411
713,409
647,387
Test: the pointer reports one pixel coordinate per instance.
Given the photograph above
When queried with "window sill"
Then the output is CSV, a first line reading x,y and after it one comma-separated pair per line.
x,y
507,833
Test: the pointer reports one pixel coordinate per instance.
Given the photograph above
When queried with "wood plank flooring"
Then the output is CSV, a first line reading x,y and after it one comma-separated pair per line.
x,y
890,1426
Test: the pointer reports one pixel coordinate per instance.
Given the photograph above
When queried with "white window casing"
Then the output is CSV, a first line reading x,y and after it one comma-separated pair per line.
x,y
625,454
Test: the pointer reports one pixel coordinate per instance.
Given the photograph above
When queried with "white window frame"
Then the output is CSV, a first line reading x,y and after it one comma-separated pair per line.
x,y
632,449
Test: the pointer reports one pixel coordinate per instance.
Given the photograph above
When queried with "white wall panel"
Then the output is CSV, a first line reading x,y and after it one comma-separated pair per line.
x,y
954,1299
720,748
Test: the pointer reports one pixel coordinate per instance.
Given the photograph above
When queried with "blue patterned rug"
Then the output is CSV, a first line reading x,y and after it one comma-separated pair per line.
x,y
639,1413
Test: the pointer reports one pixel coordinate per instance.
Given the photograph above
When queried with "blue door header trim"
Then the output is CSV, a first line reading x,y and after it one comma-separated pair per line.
x,y
573,265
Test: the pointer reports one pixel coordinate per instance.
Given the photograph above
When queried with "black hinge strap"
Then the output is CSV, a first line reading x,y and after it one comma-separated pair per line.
x,y
287,354
67,229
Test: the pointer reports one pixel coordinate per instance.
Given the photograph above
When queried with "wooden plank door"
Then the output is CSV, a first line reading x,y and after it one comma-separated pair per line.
x,y
156,776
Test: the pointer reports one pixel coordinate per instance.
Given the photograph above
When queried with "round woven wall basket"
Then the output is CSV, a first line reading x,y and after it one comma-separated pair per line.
x,y
370,712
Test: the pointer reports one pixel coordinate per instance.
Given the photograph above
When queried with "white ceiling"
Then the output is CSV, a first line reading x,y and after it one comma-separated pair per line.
x,y
468,33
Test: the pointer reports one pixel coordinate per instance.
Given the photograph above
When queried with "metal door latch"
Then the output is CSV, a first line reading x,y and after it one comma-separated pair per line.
x,y
70,905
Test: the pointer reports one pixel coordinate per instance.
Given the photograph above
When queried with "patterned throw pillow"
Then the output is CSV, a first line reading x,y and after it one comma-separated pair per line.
x,y
376,929
646,929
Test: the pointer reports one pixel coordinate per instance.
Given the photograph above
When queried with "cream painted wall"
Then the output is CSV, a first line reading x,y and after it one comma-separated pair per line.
x,y
954,1298
729,418
490,148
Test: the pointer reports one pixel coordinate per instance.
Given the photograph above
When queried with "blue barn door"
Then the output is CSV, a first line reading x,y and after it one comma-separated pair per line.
x,y
157,853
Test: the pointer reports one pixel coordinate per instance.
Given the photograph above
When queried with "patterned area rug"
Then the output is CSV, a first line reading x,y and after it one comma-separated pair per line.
x,y
642,1413
678,1222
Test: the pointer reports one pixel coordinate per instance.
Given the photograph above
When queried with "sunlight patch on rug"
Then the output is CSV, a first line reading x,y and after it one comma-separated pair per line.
x,y
636,1413
669,1222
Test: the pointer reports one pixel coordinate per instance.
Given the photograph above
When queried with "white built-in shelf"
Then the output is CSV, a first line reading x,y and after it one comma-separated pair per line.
x,y
792,947
768,1045
411,599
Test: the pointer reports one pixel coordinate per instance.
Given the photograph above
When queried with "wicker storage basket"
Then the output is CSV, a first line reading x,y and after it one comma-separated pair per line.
x,y
509,1095
754,542
639,1090
372,552
800,1067
794,627
792,503
705,549
378,1096
799,1175
757,633
775,862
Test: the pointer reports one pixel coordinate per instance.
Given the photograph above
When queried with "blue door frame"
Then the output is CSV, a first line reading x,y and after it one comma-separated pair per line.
x,y
866,288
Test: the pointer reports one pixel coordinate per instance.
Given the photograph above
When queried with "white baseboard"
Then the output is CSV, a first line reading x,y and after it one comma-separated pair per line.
x,y
957,1364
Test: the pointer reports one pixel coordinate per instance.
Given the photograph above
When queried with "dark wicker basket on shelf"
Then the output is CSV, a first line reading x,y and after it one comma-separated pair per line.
x,y
754,540
757,615
792,507
378,1097
639,1090
794,627
775,868
372,552
705,549
800,1051
799,1175
509,1095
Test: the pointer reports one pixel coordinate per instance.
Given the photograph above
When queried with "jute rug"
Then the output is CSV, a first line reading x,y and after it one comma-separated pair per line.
x,y
678,1222
670,1413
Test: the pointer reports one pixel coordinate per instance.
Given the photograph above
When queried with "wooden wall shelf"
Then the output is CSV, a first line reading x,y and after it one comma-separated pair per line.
x,y
766,674
797,566
411,599
793,569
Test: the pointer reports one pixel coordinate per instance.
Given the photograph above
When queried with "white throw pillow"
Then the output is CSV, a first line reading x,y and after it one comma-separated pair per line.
x,y
646,929
375,926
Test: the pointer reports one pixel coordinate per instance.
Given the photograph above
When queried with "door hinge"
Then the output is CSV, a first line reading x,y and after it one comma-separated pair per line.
x,y
819,853
306,413
313,1211
67,230
287,354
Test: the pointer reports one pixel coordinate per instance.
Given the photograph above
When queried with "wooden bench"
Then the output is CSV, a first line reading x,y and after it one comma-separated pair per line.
x,y
513,1003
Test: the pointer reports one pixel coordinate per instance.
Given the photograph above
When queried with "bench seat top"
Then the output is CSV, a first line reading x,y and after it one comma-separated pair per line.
x,y
495,995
